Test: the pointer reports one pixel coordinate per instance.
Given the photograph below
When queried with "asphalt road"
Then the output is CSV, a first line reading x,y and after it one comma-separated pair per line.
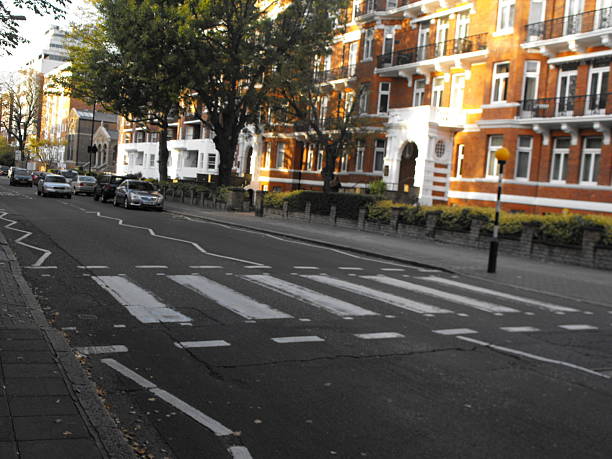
x,y
208,341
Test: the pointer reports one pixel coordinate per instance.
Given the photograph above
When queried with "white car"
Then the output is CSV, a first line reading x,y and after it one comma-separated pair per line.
x,y
54,185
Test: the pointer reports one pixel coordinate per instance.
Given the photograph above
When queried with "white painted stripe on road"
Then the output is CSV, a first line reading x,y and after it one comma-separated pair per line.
x,y
455,331
349,268
392,269
213,425
305,267
532,356
520,329
119,326
452,297
258,267
578,327
40,267
139,302
69,328
228,298
298,339
92,267
381,335
394,300
486,291
198,344
205,267
91,350
151,267
319,300
239,452
26,234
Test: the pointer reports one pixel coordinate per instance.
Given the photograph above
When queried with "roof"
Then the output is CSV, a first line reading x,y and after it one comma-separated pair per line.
x,y
100,116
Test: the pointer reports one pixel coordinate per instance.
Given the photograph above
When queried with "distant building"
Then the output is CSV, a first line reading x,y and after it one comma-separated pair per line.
x,y
79,137
52,54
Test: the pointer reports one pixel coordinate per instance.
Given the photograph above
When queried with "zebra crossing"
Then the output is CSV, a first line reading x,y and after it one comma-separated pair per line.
x,y
368,296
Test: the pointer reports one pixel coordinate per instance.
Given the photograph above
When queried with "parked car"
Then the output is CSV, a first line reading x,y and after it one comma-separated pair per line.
x,y
84,184
70,175
36,176
138,193
54,185
4,170
106,186
19,176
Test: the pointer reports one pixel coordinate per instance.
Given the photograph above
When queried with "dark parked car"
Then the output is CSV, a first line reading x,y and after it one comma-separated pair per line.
x,y
4,170
138,193
106,186
19,176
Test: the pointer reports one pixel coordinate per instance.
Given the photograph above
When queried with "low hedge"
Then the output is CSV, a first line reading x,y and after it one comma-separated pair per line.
x,y
347,204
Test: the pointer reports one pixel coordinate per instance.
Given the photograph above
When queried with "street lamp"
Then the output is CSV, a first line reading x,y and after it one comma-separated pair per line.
x,y
502,155
92,149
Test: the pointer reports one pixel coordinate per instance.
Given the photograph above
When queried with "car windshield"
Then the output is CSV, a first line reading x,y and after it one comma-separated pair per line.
x,y
69,174
86,178
21,172
141,186
55,179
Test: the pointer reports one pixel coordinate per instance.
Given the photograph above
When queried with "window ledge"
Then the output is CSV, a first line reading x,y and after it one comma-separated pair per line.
x,y
501,105
502,33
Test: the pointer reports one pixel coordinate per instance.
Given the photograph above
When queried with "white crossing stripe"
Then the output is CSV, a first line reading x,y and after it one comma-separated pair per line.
x,y
228,298
333,305
459,299
520,329
205,267
258,267
486,291
381,335
139,302
392,269
239,452
298,339
394,300
151,267
578,327
198,344
455,331
92,267
90,350
305,267
349,268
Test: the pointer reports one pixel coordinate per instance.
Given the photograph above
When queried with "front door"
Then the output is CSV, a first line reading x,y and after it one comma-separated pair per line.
x,y
462,24
566,93
441,36
423,41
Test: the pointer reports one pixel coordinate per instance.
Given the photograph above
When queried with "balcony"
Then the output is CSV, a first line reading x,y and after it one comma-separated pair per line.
x,y
387,8
337,77
326,124
448,117
570,33
433,57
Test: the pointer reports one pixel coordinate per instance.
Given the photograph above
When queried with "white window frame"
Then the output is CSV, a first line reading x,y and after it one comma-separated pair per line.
x,y
379,150
364,99
359,155
319,165
368,45
599,71
323,108
457,90
533,74
280,155
460,160
563,154
462,25
353,58
491,160
152,160
497,96
523,149
418,97
344,159
211,161
381,94
437,91
506,10
423,40
533,19
594,166
310,158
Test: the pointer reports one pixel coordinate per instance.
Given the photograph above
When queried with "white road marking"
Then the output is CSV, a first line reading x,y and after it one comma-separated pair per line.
x,y
205,267
69,328
306,295
486,291
119,326
92,267
392,269
26,234
213,425
305,267
186,324
90,350
198,344
228,298
520,329
398,301
532,356
455,331
239,452
40,267
578,327
305,320
258,267
139,302
452,297
381,335
151,267
298,339
349,268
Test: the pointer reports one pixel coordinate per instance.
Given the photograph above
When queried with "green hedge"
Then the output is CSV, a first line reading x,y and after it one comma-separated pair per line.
x,y
347,204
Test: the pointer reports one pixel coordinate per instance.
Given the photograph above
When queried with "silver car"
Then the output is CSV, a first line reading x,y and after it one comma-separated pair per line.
x,y
54,185
84,184
138,193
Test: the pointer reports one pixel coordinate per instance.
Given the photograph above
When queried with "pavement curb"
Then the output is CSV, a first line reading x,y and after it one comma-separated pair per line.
x,y
100,424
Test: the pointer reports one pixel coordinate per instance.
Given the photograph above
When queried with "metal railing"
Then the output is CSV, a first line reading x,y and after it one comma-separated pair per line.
x,y
568,25
550,107
373,6
444,48
338,73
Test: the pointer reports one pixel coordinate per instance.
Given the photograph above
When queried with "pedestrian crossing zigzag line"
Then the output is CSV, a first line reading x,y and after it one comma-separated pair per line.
x,y
26,234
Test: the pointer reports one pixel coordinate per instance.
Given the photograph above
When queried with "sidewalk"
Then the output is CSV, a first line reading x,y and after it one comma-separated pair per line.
x,y
568,281
48,408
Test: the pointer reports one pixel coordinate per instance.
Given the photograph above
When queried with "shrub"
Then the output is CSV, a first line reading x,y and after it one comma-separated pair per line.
x,y
377,188
380,211
347,204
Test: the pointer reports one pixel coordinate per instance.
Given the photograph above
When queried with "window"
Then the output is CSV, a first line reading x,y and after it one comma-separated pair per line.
x,y
139,158
558,169
566,91
323,108
530,84
441,36
154,137
599,74
190,158
352,58
501,73
265,155
523,157
537,11
505,15
379,155
460,154
457,90
359,156
310,158
280,155
368,45
192,132
462,24
363,101
319,164
383,97
437,91
495,142
423,40
589,167
140,136
344,159
388,42
349,101
212,161
419,92
152,160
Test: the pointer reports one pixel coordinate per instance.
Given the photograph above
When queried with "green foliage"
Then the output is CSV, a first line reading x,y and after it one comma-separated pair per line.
x,y
7,153
347,204
377,187
380,211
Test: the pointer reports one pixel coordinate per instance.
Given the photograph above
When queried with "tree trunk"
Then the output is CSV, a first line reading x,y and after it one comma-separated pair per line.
x,y
226,146
327,172
163,154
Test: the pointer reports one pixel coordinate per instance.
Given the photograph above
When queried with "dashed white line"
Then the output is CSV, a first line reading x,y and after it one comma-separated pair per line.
x,y
92,267
298,339
119,326
26,234
520,329
258,267
205,267
392,269
577,327
40,267
455,331
69,328
199,344
349,268
381,335
91,350
151,267
305,267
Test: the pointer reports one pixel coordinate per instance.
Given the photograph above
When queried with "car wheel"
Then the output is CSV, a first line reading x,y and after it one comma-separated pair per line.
x,y
115,203
96,197
38,192
103,198
126,203
159,209
69,195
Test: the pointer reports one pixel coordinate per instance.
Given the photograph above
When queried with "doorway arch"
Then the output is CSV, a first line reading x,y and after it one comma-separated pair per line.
x,y
410,152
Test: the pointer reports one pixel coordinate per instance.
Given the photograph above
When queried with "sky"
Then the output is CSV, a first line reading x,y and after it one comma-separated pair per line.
x,y
33,29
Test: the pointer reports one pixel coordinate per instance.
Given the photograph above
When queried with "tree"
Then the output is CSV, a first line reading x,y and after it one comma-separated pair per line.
x,y
7,153
9,17
141,79
47,152
20,107
235,44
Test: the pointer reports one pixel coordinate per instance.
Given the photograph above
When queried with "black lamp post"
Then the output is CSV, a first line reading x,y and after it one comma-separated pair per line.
x,y
92,149
502,155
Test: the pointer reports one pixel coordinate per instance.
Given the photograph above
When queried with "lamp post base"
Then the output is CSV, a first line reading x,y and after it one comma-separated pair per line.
x,y
493,256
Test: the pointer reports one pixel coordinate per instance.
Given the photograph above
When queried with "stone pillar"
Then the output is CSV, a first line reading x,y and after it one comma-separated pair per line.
x,y
332,215
395,217
361,221
236,196
259,203
193,196
182,191
431,221
476,226
527,234
202,203
307,211
285,209
590,238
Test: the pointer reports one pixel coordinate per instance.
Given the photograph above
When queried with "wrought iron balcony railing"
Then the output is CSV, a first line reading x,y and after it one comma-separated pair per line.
x,y
433,50
568,25
338,73
373,6
583,105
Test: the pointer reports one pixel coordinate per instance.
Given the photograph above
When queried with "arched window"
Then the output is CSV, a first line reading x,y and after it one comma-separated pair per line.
x,y
440,149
